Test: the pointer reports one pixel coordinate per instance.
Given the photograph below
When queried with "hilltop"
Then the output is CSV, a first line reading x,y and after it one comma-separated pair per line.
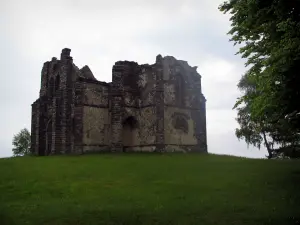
x,y
148,189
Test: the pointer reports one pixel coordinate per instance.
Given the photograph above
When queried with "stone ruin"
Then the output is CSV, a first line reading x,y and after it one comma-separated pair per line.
x,y
147,108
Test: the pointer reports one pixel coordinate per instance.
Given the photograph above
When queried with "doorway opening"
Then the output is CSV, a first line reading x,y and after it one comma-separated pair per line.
x,y
130,133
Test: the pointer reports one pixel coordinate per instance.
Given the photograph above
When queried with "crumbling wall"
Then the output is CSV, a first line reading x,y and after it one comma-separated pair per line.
x,y
179,127
96,95
139,88
156,107
147,85
184,110
148,123
95,126
96,118
53,125
133,91
35,127
144,134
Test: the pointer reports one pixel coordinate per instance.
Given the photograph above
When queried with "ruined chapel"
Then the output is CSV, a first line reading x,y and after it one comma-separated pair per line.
x,y
150,108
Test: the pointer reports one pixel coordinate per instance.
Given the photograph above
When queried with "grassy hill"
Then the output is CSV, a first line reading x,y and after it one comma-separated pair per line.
x,y
148,189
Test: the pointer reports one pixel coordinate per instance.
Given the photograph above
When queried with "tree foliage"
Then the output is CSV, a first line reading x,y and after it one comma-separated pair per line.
x,y
268,32
21,143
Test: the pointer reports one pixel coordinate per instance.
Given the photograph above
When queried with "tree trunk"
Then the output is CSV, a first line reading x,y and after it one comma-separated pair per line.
x,y
267,146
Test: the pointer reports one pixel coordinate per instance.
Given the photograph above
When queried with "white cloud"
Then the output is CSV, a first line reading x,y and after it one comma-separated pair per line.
x,y
103,32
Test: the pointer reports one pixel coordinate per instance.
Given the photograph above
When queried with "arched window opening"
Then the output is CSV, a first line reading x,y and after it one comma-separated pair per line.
x,y
55,68
180,123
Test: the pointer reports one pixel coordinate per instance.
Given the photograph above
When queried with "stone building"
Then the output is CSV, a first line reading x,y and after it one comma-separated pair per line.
x,y
151,108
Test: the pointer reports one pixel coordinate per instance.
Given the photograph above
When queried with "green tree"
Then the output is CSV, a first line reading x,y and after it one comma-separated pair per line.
x,y
253,131
21,143
268,33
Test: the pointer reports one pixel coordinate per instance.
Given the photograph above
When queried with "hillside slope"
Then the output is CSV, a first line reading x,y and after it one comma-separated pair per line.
x,y
148,189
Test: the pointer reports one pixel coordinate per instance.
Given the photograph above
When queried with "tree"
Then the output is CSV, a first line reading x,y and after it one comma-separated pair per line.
x,y
21,143
268,32
251,130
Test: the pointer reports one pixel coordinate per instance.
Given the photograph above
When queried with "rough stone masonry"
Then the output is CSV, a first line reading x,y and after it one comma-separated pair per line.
x,y
149,108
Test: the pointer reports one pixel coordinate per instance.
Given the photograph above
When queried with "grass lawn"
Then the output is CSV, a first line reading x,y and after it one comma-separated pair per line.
x,y
149,189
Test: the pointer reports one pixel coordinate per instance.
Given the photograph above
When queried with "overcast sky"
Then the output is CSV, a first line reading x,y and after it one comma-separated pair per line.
x,y
103,32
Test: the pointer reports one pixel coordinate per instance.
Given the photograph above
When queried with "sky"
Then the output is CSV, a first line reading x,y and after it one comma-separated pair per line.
x,y
102,32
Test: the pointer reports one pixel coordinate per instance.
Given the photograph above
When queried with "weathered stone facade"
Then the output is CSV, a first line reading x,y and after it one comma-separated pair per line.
x,y
152,108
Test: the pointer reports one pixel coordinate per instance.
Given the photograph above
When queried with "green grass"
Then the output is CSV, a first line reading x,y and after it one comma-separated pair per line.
x,y
148,189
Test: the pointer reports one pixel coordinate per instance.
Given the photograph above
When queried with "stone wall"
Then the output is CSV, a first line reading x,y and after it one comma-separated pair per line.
x,y
78,116
96,95
96,117
34,127
184,107
145,132
136,89
53,116
159,105
179,127
95,126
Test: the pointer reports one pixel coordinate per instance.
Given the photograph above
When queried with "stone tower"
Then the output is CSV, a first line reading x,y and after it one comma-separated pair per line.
x,y
153,108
